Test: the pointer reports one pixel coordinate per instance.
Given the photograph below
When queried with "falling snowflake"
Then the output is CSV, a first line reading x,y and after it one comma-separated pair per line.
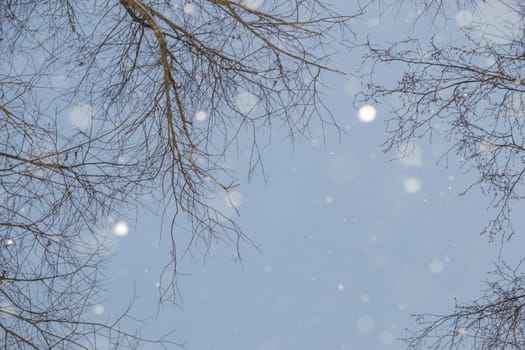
x,y
401,306
365,324
246,102
233,199
252,4
351,87
188,8
463,18
365,298
436,266
411,155
387,338
412,185
367,113
81,116
200,116
99,309
121,229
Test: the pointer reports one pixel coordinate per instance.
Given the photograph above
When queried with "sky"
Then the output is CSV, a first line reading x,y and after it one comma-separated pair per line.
x,y
348,241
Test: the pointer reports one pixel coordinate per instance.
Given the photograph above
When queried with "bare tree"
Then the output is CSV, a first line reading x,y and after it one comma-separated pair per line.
x,y
494,321
471,91
108,104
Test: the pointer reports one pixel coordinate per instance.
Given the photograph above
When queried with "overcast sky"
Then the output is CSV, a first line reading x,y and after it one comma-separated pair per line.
x,y
351,241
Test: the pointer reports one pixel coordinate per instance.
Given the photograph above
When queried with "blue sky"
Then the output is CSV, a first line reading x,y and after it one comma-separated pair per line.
x,y
351,240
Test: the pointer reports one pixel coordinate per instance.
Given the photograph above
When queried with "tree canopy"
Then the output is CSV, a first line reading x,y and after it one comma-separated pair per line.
x,y
110,105
469,89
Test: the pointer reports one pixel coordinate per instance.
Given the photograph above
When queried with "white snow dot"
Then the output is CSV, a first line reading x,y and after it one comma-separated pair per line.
x,y
340,287
490,61
463,18
372,22
412,185
329,199
411,156
252,4
233,199
99,309
200,116
121,229
157,284
365,324
436,266
383,261
373,237
401,306
81,116
58,81
351,87
365,298
387,338
246,102
367,113
487,147
9,242
462,331
188,8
